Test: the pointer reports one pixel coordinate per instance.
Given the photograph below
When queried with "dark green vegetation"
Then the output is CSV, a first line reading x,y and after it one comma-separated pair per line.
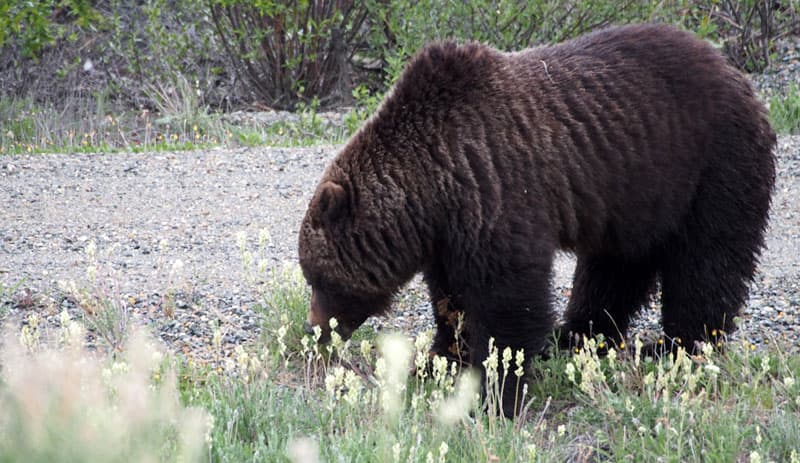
x,y
784,111
105,75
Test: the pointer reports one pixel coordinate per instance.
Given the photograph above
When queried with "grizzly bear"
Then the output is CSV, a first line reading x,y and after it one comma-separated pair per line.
x,y
637,148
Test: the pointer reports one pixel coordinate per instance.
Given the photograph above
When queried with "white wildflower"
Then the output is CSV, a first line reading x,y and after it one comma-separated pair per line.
x,y
241,240
366,348
765,364
91,249
396,452
570,371
443,449
520,361
458,406
264,238
507,355
353,387
396,352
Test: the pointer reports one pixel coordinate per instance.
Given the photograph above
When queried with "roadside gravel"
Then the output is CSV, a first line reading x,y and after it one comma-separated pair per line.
x,y
165,226
161,223
167,222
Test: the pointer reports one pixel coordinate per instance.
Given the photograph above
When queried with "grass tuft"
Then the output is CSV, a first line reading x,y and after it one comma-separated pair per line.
x,y
387,399
81,126
68,404
390,401
784,111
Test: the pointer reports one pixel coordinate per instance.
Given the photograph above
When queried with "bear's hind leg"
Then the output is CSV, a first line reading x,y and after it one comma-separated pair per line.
x,y
606,293
704,285
708,267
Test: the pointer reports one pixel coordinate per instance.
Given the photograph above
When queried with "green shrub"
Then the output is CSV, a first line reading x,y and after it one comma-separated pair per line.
x,y
291,52
401,27
747,29
163,55
174,61
784,111
34,25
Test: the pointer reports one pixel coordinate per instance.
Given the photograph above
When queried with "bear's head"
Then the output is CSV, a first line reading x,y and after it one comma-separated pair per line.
x,y
347,290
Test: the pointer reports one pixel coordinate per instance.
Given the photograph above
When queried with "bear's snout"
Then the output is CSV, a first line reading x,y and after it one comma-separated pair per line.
x,y
325,333
308,327
317,317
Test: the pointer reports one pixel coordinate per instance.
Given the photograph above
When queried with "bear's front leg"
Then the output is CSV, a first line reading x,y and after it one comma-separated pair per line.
x,y
496,352
517,321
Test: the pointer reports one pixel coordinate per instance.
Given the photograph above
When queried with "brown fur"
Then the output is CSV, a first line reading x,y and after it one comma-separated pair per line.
x,y
637,148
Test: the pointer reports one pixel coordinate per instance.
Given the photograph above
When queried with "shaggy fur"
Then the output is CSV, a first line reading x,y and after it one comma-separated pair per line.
x,y
636,148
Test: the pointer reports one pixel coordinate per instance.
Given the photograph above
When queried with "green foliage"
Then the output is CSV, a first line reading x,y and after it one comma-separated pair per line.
x,y
284,310
157,70
290,52
153,54
746,30
169,50
784,111
740,406
402,27
734,406
366,104
36,24
255,419
708,407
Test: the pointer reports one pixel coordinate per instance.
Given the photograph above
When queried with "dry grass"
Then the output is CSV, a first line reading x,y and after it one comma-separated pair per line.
x,y
64,403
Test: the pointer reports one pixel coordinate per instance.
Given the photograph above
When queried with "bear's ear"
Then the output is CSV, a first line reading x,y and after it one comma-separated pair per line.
x,y
330,202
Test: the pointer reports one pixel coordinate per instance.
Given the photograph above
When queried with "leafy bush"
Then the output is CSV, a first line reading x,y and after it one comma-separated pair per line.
x,y
748,29
58,51
33,25
402,27
784,111
164,55
181,59
291,52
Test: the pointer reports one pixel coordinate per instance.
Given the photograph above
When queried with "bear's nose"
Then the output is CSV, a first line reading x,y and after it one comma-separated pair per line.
x,y
308,328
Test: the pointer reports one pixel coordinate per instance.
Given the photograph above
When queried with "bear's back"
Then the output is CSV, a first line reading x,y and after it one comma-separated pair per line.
x,y
627,120
604,137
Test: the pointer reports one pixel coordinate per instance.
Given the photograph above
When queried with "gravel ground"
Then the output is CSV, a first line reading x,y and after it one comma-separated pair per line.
x,y
147,211
167,222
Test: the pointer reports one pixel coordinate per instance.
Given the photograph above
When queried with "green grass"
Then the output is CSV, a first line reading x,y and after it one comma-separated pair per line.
x,y
683,410
361,401
784,111
92,127
86,127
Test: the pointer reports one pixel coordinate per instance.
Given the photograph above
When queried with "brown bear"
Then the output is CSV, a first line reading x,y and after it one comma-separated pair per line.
x,y
638,149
